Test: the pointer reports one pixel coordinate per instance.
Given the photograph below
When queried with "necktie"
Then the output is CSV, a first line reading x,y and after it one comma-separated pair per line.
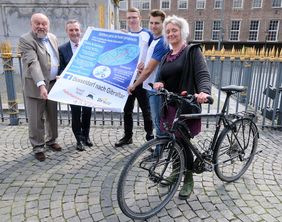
x,y
44,40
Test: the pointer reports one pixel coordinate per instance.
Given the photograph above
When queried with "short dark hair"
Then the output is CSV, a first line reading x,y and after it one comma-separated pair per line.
x,y
158,13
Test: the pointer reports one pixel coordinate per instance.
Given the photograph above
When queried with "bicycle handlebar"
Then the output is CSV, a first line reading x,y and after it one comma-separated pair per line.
x,y
174,96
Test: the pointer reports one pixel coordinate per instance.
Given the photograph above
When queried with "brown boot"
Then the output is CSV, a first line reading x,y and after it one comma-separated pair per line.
x,y
187,187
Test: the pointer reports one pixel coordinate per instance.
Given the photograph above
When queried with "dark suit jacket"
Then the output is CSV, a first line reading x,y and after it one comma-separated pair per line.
x,y
36,62
65,53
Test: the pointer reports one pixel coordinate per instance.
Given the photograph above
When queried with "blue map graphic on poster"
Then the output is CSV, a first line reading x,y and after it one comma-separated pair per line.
x,y
110,56
120,55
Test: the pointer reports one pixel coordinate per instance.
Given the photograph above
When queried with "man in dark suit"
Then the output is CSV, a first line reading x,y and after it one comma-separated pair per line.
x,y
40,58
80,115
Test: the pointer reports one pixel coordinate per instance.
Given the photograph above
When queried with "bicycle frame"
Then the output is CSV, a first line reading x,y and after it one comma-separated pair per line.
x,y
159,164
179,126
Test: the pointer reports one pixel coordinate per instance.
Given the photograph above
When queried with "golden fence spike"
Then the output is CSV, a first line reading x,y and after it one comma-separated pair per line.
x,y
222,54
257,53
262,53
276,57
280,56
273,51
222,51
212,53
232,53
243,50
213,50
6,49
267,53
253,53
242,53
204,49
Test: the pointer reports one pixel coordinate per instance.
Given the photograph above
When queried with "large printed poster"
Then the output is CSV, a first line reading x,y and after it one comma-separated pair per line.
x,y
100,70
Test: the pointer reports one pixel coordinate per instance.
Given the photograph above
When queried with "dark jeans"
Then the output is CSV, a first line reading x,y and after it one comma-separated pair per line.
x,y
80,123
142,98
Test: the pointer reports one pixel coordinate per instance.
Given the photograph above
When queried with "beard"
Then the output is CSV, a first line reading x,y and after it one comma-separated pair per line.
x,y
41,34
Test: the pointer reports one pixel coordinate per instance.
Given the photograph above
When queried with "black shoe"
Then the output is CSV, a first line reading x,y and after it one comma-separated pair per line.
x,y
149,136
40,156
124,141
87,142
80,147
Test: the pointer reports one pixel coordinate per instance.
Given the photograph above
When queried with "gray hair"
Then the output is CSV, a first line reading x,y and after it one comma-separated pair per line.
x,y
181,23
72,21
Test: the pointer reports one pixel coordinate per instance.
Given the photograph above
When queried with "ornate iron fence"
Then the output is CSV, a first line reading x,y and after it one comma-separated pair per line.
x,y
259,71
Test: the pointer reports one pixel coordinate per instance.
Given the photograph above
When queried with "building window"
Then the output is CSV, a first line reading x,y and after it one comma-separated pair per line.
x,y
237,4
216,30
200,4
257,4
142,4
145,23
254,30
276,3
235,30
165,4
217,4
273,31
199,29
123,5
182,4
123,24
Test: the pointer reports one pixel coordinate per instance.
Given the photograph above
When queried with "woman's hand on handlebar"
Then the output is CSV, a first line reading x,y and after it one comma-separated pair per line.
x,y
202,97
158,85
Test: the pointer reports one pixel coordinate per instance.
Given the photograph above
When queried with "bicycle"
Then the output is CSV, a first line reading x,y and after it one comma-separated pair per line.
x,y
140,192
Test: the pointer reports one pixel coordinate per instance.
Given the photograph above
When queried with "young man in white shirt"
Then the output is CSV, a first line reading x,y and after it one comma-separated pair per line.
x,y
134,21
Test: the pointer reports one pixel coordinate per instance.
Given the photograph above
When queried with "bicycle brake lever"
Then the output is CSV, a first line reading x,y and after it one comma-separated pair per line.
x,y
210,100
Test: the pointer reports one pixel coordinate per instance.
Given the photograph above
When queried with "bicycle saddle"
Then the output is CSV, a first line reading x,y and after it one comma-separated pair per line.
x,y
233,88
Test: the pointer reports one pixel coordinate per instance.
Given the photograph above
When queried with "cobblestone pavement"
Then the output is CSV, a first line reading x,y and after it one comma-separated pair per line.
x,y
81,186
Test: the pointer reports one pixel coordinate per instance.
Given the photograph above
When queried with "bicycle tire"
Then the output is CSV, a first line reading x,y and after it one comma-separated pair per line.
x,y
231,161
141,194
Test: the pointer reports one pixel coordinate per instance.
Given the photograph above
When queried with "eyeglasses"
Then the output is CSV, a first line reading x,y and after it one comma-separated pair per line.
x,y
132,17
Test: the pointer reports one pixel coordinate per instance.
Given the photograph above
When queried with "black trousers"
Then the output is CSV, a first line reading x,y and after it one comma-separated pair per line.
x,y
143,101
80,123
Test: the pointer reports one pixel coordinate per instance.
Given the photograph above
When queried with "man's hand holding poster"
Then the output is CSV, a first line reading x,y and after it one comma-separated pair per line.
x,y
100,71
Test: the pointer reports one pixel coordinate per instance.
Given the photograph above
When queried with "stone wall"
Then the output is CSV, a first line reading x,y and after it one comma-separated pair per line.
x,y
15,16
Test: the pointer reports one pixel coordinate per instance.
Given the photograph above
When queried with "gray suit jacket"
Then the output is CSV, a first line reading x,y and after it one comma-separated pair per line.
x,y
36,62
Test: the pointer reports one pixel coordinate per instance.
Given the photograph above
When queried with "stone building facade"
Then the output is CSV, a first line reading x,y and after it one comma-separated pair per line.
x,y
15,15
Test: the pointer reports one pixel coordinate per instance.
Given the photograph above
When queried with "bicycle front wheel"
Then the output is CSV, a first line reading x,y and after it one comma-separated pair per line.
x,y
235,149
141,193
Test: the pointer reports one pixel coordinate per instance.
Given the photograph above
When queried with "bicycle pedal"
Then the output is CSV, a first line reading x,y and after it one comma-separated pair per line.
x,y
208,166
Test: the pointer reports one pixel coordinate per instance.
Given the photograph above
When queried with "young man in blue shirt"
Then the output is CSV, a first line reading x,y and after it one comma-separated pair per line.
x,y
156,51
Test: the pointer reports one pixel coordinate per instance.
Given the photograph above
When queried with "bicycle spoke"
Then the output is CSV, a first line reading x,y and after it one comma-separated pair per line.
x,y
234,150
140,192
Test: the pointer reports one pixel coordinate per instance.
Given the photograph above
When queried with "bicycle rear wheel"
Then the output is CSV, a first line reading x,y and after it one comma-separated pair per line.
x,y
235,149
140,192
